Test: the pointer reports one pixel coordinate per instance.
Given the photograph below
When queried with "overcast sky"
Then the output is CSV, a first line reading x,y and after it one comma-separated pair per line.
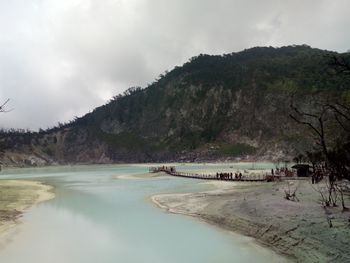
x,y
62,58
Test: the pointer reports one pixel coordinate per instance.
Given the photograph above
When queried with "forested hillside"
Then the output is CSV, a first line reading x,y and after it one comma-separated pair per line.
x,y
211,108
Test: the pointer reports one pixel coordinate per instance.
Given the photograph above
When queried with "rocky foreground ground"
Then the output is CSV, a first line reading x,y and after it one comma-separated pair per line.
x,y
296,229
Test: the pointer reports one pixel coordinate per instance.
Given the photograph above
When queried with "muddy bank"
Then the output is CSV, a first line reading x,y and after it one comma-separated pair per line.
x,y
298,230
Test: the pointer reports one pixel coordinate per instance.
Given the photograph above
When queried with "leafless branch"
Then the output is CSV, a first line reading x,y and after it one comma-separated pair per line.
x,y
3,106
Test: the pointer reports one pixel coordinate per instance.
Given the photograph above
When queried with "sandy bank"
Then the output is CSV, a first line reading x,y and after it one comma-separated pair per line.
x,y
16,197
298,230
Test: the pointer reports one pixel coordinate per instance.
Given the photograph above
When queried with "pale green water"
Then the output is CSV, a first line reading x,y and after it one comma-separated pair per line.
x,y
95,218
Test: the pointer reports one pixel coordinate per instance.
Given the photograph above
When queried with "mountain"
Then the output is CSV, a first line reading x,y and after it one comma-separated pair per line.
x,y
212,108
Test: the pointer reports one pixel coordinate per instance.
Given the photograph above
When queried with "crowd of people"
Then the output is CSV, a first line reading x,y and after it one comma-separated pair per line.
x,y
282,171
229,176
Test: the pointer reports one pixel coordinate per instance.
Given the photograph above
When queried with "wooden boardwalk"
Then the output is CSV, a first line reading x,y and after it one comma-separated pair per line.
x,y
170,170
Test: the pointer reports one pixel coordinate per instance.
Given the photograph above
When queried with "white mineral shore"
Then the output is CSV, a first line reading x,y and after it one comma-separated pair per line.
x,y
16,197
298,230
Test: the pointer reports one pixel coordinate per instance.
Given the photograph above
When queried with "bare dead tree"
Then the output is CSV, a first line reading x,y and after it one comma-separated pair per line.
x,y
328,119
340,187
341,113
322,190
315,121
329,123
3,106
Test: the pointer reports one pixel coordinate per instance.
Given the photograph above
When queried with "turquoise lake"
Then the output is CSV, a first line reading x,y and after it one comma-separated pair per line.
x,y
96,218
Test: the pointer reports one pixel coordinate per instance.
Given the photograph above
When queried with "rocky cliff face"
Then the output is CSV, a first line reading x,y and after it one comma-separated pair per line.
x,y
211,108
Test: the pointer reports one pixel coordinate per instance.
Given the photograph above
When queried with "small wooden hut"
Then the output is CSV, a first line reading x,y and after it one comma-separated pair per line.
x,y
303,170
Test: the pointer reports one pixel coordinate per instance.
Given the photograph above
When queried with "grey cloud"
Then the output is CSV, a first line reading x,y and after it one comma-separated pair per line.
x,y
62,58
